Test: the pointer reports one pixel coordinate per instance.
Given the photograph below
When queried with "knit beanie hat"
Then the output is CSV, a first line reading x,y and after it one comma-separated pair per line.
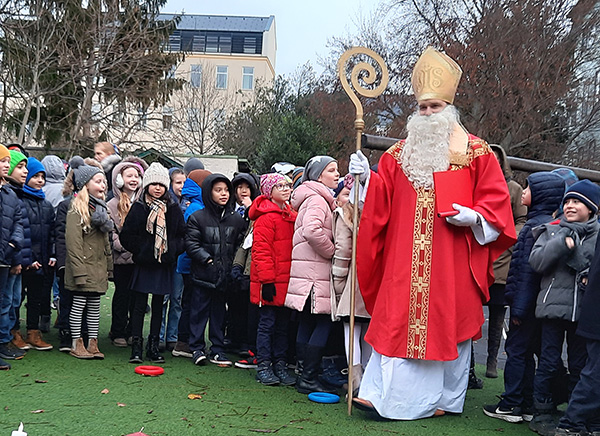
x,y
4,153
34,166
268,182
567,175
198,176
586,192
192,164
315,166
16,157
156,173
82,173
297,176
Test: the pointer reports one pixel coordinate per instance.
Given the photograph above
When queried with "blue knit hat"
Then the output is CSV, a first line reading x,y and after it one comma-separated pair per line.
x,y
34,166
586,192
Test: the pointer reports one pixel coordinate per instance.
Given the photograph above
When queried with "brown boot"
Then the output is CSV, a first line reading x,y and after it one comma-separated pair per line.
x,y
93,349
18,340
34,339
78,350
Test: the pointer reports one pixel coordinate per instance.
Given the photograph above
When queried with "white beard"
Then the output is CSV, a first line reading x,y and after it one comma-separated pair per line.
x,y
426,147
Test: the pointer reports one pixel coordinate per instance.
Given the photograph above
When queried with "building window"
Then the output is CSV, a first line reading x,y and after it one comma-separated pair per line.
x,y
167,118
219,116
175,41
198,43
250,45
193,115
212,44
225,44
248,78
196,75
222,76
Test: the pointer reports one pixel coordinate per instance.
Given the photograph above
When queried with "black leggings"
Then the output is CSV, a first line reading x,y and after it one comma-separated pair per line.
x,y
139,310
313,329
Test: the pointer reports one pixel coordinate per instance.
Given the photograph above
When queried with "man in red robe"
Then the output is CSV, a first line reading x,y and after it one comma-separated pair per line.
x,y
424,277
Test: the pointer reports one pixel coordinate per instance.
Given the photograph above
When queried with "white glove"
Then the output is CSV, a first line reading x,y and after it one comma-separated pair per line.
x,y
359,166
466,217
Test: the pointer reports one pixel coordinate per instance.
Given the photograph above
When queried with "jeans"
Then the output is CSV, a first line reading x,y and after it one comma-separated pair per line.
x,y
271,337
583,412
522,342
550,361
173,303
8,300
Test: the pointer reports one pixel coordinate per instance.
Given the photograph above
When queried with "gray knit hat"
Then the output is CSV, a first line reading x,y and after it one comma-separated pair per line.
x,y
82,173
192,164
156,173
315,166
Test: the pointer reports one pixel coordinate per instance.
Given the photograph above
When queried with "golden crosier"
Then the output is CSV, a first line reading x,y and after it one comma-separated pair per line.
x,y
435,76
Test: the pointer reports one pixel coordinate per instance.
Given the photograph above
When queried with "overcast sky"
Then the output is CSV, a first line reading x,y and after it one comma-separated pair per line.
x,y
302,26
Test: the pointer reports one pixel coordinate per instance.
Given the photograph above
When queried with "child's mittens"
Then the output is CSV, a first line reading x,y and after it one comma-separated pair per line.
x,y
268,292
237,272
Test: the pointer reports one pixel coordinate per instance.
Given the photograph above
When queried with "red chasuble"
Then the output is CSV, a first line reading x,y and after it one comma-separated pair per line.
x,y
424,280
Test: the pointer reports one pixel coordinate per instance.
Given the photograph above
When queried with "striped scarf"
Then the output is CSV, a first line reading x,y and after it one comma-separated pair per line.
x,y
156,224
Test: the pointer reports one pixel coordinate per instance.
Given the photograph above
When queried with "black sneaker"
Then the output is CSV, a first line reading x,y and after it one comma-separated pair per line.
x,y
543,424
199,358
182,349
506,414
265,374
10,353
527,413
221,360
565,431
250,362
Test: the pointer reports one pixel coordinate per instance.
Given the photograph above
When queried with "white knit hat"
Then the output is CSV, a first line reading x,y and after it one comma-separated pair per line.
x,y
156,173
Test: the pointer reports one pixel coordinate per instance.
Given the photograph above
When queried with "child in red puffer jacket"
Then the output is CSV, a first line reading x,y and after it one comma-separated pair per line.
x,y
269,276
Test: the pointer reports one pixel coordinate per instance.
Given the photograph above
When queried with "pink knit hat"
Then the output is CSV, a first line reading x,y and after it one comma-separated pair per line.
x,y
268,182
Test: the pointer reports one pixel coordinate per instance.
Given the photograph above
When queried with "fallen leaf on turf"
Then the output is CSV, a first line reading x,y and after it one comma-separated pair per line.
x,y
41,381
184,419
5,408
194,396
25,375
121,404
104,391
150,411
38,411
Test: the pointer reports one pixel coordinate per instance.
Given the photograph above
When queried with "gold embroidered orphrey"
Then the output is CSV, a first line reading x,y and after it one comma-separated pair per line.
x,y
422,247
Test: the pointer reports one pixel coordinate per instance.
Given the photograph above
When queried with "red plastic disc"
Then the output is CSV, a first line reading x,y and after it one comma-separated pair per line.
x,y
149,370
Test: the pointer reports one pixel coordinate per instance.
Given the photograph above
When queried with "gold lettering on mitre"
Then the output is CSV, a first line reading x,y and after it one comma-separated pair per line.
x,y
435,76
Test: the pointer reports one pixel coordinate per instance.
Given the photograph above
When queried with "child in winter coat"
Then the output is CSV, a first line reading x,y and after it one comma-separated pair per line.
x,y
213,234
310,275
270,274
39,276
542,196
191,193
562,254
127,189
11,240
153,232
88,257
341,285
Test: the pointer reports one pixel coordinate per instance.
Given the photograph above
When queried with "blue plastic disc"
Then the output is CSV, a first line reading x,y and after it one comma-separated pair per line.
x,y
323,397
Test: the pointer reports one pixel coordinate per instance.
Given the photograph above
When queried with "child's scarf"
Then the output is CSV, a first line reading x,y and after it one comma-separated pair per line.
x,y
156,224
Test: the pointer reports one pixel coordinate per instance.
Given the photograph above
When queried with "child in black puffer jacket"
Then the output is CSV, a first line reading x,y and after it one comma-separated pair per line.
x,y
213,235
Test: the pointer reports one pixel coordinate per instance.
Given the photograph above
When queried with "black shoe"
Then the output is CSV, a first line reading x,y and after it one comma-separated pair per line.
x,y
221,360
309,382
199,358
331,375
4,366
10,353
281,371
474,381
566,432
65,341
45,323
265,374
513,414
137,350
152,352
543,424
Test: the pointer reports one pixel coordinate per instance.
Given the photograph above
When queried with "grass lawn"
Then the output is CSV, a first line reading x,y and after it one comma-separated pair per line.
x,y
67,395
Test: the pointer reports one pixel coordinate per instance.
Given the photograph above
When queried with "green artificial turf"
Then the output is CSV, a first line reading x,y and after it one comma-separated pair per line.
x,y
68,391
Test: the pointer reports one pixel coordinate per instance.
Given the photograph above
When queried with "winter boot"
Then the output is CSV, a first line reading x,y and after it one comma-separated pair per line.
x,y
35,341
93,349
18,340
474,381
78,350
65,341
300,351
137,350
45,323
152,352
285,379
496,322
331,375
543,421
265,374
309,382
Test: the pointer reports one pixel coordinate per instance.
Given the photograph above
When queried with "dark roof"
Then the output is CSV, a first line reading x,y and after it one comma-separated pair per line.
x,y
221,23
